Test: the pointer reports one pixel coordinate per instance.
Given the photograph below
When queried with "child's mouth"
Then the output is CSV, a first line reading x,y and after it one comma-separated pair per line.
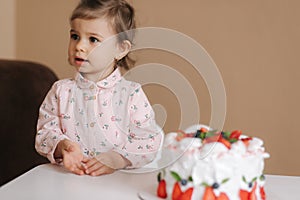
x,y
80,61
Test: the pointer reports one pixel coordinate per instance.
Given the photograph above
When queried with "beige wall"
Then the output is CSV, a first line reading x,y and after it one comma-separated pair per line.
x,y
7,29
255,45
43,33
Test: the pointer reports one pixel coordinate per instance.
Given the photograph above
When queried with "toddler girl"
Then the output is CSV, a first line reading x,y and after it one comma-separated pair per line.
x,y
98,122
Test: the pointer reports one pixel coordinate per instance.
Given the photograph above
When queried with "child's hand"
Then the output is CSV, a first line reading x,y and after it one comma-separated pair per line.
x,y
96,168
105,163
71,155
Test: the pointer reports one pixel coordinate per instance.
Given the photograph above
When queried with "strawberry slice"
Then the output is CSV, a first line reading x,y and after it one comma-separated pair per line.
x,y
246,141
252,195
214,138
262,193
161,189
209,194
176,191
225,142
244,195
222,196
204,130
235,134
187,195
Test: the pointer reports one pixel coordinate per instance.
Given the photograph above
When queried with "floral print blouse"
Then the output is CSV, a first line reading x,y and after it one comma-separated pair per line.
x,y
112,114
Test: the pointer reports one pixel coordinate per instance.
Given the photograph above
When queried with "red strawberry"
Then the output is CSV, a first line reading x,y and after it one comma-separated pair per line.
x,y
244,195
187,195
252,195
246,141
209,194
222,196
262,193
225,142
214,138
235,134
176,191
204,130
161,189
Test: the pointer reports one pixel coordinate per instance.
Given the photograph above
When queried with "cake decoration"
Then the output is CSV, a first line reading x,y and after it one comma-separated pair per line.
x,y
214,165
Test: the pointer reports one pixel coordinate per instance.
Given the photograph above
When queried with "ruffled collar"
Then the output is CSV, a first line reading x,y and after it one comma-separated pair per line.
x,y
108,82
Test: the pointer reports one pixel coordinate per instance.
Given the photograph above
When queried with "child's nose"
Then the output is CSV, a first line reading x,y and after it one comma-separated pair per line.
x,y
81,46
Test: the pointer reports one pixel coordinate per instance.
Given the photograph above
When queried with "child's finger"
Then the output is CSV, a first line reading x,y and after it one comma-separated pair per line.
x,y
97,172
102,170
74,167
81,166
77,171
85,159
96,166
90,162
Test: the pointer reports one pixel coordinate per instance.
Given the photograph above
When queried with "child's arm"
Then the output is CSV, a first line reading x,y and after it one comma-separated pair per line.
x,y
49,130
145,137
51,142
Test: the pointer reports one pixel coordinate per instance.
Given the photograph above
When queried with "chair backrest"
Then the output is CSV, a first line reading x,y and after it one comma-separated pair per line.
x,y
23,86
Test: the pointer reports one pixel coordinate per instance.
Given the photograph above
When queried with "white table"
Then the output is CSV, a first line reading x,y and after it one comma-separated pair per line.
x,y
53,182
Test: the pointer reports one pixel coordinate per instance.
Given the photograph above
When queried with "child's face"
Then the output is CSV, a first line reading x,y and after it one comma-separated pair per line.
x,y
92,49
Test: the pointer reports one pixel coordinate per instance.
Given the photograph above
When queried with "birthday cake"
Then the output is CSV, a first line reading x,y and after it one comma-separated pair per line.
x,y
212,165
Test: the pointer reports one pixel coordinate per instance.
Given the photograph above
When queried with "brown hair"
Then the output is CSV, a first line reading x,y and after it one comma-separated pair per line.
x,y
121,16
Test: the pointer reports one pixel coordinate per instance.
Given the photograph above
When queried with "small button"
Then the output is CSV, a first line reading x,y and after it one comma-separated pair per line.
x,y
92,124
92,154
92,87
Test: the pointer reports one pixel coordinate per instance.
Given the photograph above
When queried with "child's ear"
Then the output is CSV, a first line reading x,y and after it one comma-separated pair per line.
x,y
124,49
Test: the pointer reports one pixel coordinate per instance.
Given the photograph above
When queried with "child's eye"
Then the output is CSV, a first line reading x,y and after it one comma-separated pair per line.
x,y
74,36
94,40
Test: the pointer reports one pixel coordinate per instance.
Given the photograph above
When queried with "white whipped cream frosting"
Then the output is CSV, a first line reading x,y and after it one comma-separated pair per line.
x,y
213,163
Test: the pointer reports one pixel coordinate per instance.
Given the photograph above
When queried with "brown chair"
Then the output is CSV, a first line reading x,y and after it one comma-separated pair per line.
x,y
23,86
